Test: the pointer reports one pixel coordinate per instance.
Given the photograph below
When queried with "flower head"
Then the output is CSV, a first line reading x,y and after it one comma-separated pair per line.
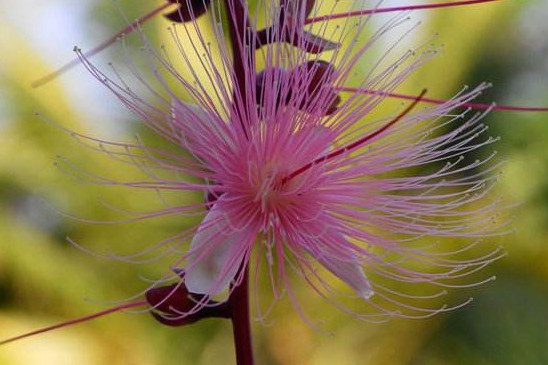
x,y
302,178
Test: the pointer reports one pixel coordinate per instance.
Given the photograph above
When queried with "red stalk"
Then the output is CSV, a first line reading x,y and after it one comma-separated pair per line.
x,y
241,327
76,321
480,106
359,143
393,9
131,27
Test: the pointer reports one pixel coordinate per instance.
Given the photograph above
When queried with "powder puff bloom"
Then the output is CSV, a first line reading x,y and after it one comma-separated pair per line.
x,y
303,178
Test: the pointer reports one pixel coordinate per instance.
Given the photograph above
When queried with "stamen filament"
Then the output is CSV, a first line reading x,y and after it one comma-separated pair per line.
x,y
76,321
359,143
393,9
131,27
480,106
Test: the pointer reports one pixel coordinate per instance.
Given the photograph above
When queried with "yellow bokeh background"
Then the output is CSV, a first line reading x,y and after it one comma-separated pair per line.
x,y
44,279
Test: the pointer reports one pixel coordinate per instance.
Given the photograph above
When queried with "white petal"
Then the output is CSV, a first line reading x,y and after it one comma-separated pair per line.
x,y
204,274
349,272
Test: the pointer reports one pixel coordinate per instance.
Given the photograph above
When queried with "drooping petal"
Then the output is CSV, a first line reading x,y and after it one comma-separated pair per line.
x,y
351,273
334,252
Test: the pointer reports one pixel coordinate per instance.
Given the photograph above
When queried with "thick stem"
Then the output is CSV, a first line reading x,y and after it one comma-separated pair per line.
x,y
244,61
243,58
239,309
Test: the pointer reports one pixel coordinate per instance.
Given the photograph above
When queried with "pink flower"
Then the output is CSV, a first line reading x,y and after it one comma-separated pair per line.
x,y
301,178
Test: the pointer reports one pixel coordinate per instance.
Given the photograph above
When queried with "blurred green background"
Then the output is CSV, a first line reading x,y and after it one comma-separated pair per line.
x,y
44,279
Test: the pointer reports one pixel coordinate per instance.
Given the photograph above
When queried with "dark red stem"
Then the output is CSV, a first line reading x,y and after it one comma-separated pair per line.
x,y
239,314
243,58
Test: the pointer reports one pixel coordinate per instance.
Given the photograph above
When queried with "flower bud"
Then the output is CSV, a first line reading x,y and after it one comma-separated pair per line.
x,y
174,306
289,28
188,10
303,87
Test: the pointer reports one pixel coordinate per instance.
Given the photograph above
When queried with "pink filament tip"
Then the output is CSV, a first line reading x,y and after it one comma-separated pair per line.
x,y
131,27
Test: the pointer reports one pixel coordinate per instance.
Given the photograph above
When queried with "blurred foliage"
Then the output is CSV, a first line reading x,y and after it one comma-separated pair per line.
x,y
44,279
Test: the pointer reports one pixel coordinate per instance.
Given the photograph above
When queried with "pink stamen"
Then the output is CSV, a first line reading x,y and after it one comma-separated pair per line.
x,y
131,27
480,106
392,9
360,142
76,321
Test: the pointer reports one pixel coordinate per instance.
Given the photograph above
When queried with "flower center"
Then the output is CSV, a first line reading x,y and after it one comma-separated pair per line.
x,y
267,189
